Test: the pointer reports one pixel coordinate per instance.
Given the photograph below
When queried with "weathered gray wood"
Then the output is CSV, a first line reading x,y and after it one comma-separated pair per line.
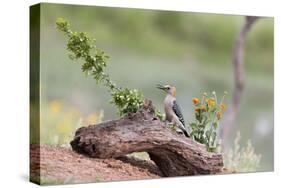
x,y
174,154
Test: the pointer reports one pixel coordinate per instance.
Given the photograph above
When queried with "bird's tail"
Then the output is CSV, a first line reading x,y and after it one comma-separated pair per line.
x,y
184,131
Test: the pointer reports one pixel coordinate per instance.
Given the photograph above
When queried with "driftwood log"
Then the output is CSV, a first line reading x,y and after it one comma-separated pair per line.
x,y
174,154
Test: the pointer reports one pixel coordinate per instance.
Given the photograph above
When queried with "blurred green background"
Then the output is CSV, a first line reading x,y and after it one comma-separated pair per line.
x,y
192,51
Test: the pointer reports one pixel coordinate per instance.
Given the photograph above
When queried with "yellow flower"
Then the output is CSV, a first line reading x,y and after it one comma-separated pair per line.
x,y
223,106
195,100
55,107
211,102
197,110
219,115
202,109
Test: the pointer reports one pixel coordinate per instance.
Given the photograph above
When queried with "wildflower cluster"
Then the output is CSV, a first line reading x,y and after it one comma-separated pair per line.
x,y
208,112
81,46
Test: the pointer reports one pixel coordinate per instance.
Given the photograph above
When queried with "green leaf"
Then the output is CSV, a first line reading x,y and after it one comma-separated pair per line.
x,y
215,125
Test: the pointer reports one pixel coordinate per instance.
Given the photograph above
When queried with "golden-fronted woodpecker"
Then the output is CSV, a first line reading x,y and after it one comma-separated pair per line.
x,y
172,109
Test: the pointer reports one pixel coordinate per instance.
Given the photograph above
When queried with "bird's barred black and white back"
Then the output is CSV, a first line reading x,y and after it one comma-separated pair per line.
x,y
177,110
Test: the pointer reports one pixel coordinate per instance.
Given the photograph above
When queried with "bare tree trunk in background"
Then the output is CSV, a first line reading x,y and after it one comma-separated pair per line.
x,y
239,77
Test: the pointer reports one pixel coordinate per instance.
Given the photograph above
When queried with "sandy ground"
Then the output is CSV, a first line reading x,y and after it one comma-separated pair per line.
x,y
57,165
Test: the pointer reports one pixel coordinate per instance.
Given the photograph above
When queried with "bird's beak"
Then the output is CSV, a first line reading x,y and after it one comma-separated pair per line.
x,y
160,87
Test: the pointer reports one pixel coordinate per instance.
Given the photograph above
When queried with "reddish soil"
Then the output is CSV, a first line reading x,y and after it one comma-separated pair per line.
x,y
61,165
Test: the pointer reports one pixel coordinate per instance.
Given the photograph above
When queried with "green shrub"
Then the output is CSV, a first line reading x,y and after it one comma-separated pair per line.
x,y
242,159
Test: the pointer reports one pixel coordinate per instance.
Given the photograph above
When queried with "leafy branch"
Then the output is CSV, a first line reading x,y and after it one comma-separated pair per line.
x,y
83,47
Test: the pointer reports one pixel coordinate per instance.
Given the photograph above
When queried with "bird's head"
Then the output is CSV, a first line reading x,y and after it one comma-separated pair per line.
x,y
168,89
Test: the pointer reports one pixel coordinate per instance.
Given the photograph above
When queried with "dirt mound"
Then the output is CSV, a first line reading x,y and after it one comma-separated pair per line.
x,y
61,165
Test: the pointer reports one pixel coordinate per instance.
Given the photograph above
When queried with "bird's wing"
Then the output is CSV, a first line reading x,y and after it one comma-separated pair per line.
x,y
177,110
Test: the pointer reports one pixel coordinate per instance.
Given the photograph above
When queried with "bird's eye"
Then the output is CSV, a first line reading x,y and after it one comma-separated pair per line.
x,y
168,87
